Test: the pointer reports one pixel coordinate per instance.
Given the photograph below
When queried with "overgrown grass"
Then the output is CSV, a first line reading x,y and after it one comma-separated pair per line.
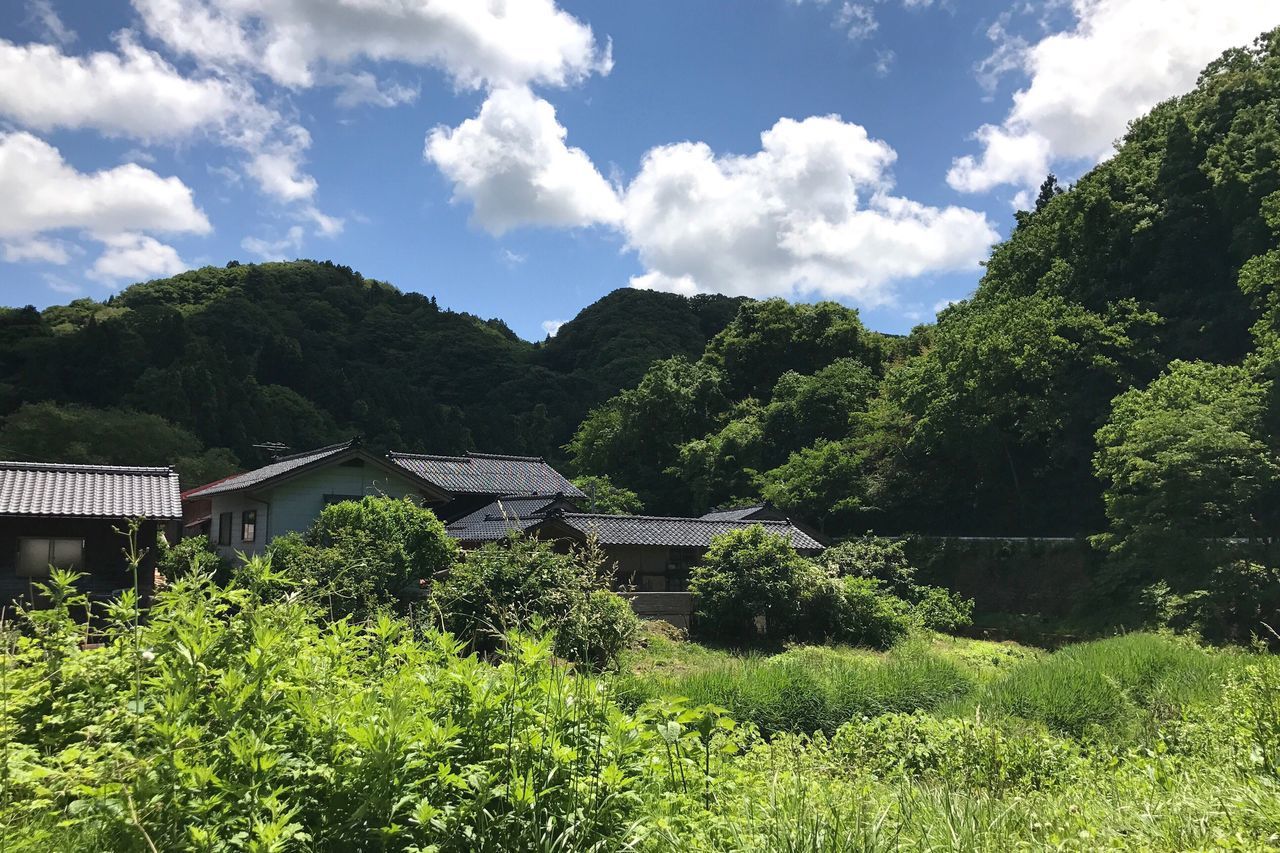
x,y
1110,687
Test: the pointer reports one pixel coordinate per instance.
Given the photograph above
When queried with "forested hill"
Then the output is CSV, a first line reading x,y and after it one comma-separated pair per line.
x,y
199,367
1158,271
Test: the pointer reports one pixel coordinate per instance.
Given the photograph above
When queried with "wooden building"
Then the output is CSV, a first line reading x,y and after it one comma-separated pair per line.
x,y
72,517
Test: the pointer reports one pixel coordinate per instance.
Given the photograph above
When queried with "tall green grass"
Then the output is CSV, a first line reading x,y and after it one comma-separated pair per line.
x,y
1110,687
813,689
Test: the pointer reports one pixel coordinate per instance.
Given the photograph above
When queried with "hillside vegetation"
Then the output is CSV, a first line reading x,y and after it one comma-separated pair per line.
x,y
306,353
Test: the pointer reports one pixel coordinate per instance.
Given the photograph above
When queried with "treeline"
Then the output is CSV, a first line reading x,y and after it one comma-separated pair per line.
x,y
198,368
1113,372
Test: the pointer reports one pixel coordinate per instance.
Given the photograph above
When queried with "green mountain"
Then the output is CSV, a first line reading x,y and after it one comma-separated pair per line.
x,y
308,352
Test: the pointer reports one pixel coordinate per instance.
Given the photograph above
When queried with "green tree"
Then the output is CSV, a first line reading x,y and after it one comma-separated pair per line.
x,y
604,496
1185,472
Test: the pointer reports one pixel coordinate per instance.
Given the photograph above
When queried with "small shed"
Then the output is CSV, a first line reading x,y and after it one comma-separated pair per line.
x,y
73,517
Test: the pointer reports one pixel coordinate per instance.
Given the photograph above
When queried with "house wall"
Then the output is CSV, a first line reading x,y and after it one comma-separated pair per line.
x,y
295,504
104,560
644,568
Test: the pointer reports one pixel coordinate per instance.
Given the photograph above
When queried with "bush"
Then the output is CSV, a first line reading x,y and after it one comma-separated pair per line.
x,y
194,555
886,561
524,583
359,556
234,722
965,754
746,575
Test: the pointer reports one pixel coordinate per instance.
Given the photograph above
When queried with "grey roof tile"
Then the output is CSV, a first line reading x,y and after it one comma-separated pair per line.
x,y
488,474
741,513
89,491
278,468
496,520
676,532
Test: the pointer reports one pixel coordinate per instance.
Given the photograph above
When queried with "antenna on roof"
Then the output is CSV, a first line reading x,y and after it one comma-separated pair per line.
x,y
274,449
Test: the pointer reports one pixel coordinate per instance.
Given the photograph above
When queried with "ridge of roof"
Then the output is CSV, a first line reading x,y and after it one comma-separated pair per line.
x,y
623,516
329,448
467,457
78,468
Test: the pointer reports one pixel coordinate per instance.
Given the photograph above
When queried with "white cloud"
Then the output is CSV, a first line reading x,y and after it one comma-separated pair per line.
x,y
58,284
812,211
135,93
36,250
1121,58
43,193
943,304
551,327
135,257
326,226
884,62
511,163
138,94
477,42
360,87
275,250
858,20
277,166
42,14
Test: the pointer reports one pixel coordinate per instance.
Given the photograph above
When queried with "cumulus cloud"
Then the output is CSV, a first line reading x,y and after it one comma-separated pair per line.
x,y
43,192
1121,58
478,43
812,211
135,257
512,164
551,327
134,93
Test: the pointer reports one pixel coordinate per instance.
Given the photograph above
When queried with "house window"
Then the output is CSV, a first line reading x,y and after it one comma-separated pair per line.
x,y
35,556
224,528
249,525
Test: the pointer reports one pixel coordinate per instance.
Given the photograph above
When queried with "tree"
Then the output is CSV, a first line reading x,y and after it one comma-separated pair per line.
x,y
1185,472
604,496
358,556
747,574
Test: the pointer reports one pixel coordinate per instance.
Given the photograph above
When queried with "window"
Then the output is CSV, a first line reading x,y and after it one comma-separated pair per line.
x,y
249,525
35,556
224,528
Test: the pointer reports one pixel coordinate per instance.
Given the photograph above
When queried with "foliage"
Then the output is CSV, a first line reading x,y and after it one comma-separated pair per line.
x,y
68,433
524,583
747,575
885,562
603,496
229,721
308,352
194,555
359,556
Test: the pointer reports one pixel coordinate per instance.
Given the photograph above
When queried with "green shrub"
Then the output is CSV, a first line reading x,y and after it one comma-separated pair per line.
x,y
522,583
746,575
359,556
886,561
193,555
234,722
962,753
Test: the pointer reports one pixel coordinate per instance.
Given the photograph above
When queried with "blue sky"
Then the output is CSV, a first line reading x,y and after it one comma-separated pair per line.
x,y
521,159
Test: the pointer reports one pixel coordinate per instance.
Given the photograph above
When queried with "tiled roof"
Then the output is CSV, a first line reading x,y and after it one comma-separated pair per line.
x,y
741,513
488,474
501,517
278,468
677,532
89,491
